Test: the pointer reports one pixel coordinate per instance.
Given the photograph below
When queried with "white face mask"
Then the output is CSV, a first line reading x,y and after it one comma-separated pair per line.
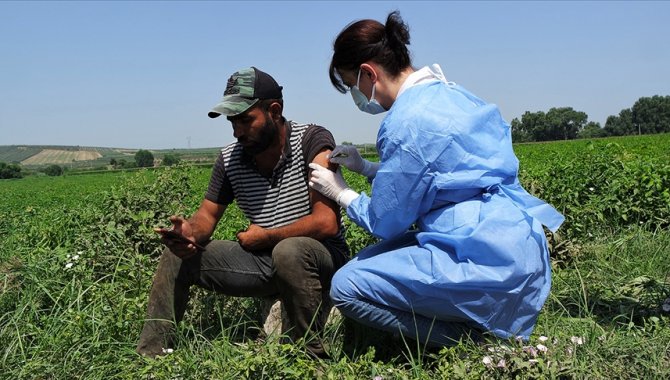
x,y
371,106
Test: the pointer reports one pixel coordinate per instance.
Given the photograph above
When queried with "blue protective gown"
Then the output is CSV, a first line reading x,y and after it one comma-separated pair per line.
x,y
480,255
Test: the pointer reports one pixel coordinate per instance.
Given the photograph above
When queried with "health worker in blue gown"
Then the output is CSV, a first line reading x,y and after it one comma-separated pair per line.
x,y
462,246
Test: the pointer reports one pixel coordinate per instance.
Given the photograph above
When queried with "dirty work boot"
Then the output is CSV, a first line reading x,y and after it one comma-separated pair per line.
x,y
157,336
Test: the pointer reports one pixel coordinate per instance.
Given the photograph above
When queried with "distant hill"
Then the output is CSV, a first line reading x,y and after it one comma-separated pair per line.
x,y
84,156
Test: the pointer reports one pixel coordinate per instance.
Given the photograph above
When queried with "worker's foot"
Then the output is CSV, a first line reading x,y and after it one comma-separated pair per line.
x,y
155,337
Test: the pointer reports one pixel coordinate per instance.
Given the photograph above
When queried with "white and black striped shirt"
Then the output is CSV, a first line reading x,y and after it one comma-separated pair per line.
x,y
284,197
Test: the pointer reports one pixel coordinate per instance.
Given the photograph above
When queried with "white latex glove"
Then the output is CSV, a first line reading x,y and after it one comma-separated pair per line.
x,y
349,156
331,184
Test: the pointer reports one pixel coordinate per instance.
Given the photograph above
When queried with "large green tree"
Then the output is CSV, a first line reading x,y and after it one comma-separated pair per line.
x,y
519,134
10,171
562,123
171,159
591,130
652,115
144,158
53,170
531,125
648,115
620,125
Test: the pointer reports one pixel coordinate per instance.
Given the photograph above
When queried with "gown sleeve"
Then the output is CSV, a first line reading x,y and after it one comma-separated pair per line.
x,y
401,191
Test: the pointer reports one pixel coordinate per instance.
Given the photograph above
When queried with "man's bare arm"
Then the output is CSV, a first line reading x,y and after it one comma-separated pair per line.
x,y
198,228
204,220
320,224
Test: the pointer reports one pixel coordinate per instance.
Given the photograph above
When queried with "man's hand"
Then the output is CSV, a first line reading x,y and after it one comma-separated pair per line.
x,y
178,247
349,157
331,184
255,238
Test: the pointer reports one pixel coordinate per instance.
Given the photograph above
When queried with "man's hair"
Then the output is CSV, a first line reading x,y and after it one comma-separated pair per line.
x,y
264,104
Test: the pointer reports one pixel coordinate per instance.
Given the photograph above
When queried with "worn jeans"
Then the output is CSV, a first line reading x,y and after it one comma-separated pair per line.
x,y
298,269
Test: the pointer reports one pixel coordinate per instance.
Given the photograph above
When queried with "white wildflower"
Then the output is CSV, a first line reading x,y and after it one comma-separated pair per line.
x,y
168,350
378,378
542,348
543,338
530,350
592,189
75,257
569,350
577,340
487,361
69,265
502,363
666,305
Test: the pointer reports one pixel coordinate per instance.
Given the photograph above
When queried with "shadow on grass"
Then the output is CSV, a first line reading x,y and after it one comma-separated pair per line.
x,y
213,316
358,339
634,301
631,302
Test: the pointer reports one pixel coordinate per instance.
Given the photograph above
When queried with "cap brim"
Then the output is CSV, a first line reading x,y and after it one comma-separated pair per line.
x,y
232,106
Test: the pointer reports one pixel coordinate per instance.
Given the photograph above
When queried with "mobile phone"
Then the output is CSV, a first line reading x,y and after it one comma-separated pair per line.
x,y
172,235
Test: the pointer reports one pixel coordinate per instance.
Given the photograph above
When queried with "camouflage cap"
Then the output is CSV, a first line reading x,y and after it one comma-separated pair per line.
x,y
244,89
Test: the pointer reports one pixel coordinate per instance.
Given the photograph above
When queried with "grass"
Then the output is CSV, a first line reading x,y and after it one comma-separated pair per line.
x,y
77,256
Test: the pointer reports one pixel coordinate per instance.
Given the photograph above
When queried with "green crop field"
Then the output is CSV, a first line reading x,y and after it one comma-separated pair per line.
x,y
77,255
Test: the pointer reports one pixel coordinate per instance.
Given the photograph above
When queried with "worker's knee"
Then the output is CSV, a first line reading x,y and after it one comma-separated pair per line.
x,y
290,253
342,287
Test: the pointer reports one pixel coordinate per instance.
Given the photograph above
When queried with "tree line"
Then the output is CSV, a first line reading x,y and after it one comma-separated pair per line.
x,y
145,159
647,116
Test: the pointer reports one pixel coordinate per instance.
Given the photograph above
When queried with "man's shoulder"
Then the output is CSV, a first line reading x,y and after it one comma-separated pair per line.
x,y
306,127
232,153
228,149
311,131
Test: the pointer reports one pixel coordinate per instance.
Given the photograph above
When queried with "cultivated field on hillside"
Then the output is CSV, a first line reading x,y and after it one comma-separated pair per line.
x,y
55,156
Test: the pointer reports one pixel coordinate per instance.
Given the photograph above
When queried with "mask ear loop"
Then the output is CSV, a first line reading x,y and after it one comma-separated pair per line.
x,y
358,85
372,96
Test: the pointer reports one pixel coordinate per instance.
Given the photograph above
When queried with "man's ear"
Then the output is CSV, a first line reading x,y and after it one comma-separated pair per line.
x,y
276,111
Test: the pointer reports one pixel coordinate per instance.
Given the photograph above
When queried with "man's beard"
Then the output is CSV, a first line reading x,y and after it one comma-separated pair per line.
x,y
265,137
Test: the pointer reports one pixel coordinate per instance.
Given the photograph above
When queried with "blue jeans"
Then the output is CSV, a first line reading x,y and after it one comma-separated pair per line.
x,y
367,302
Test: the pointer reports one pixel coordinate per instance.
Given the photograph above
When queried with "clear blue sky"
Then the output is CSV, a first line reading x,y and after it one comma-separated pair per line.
x,y
144,74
